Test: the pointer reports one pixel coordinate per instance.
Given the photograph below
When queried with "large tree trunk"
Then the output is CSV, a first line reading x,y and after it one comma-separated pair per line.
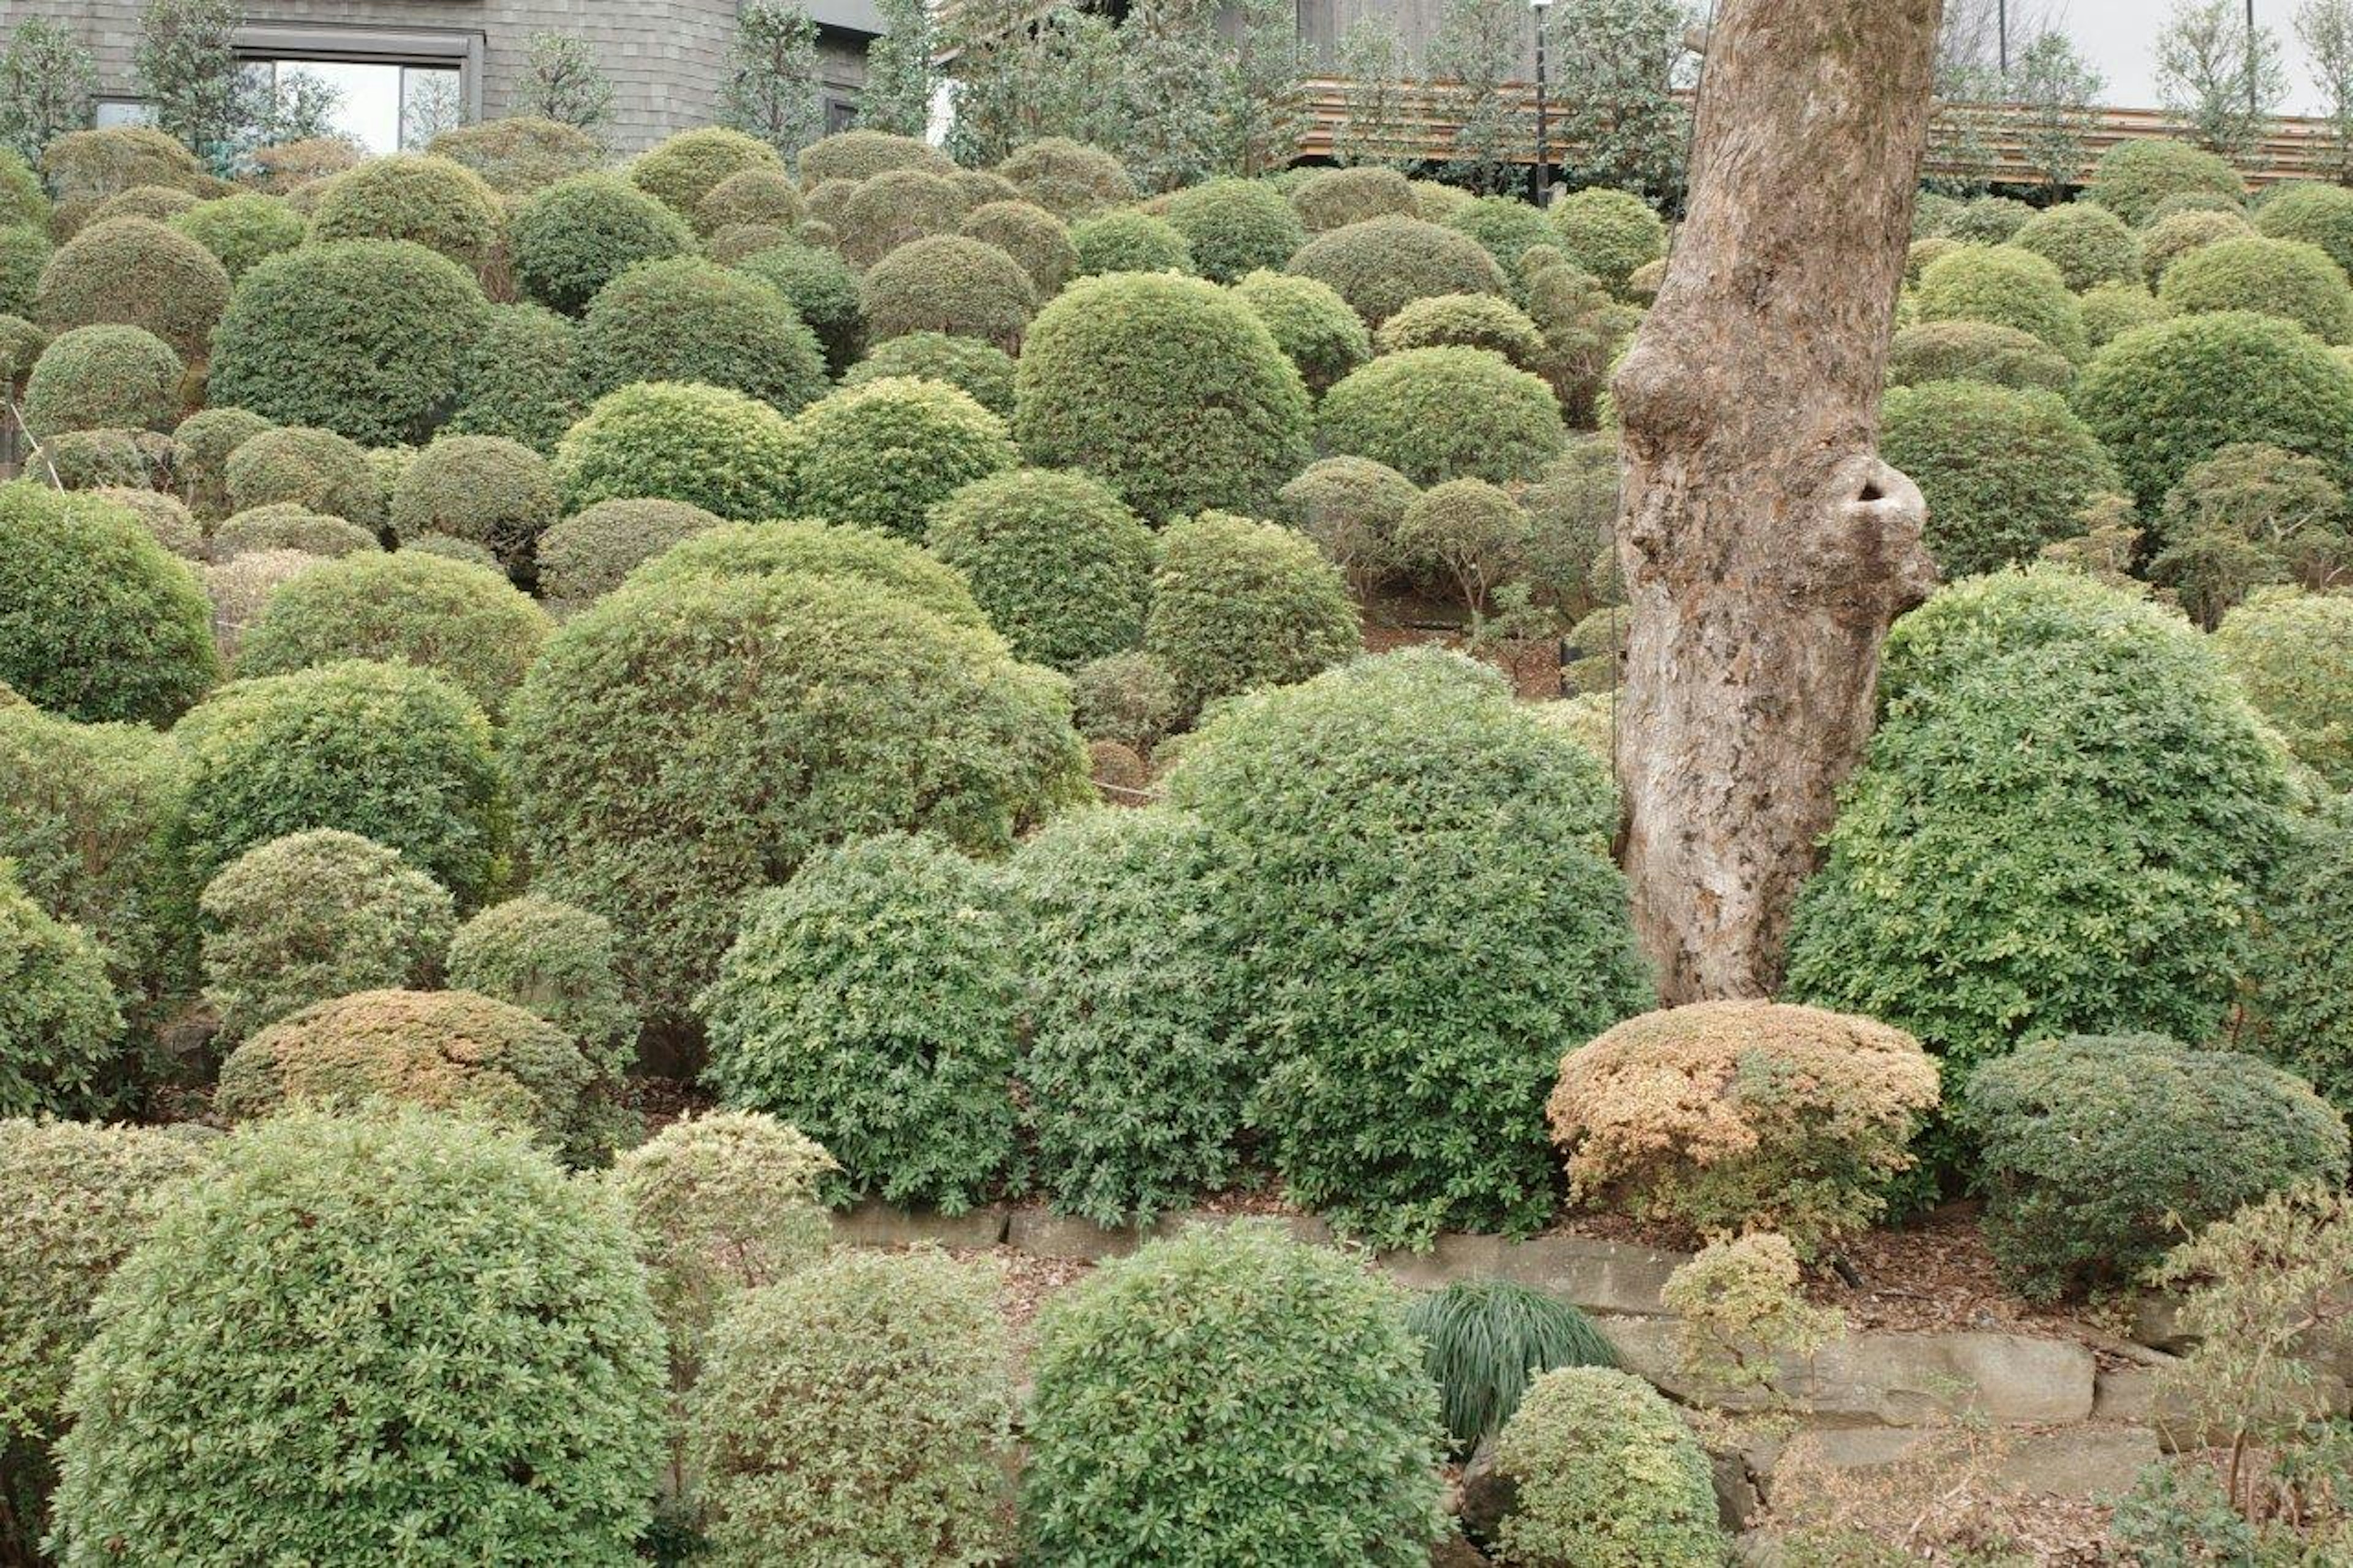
x,y
1765,547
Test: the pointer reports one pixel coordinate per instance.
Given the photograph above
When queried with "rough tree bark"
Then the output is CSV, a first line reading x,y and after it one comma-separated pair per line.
x,y
1765,547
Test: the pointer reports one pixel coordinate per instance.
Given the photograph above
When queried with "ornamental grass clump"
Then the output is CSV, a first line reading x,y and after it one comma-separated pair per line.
x,y
1486,1339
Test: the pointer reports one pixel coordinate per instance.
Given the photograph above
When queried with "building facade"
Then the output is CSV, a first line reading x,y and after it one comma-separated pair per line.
x,y
402,66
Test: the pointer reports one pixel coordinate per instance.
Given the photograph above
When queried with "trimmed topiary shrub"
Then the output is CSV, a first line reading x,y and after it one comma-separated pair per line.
x,y
1234,227
689,320
879,455
764,196
61,1029
1290,1417
578,234
432,202
522,380
1129,241
2133,177
983,371
103,378
2088,244
1607,1475
520,154
1328,199
2170,239
2286,279
806,548
24,254
240,584
1382,264
91,166
894,207
822,290
419,1251
689,167
1238,604
1724,1117
587,554
2005,472
313,916
1351,507
1471,320
947,283
858,1408
1977,350
1485,1340
287,526
719,450
873,1000
2101,1151
1508,227
1061,568
1990,220
792,711
1466,536
1167,389
206,439
362,337
2112,309
1127,699
1441,414
2311,212
2293,655
317,470
2299,1003
1033,237
135,272
466,621
393,753
1314,326
2165,398
1397,1105
240,230
2007,287
556,960
1608,233
2062,824
98,620
494,492
1068,178
861,154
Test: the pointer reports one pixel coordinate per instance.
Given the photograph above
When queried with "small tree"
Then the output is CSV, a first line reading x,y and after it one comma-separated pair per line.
x,y
46,82
1618,62
1374,131
1473,59
2052,84
1018,79
901,79
2225,82
186,65
430,104
1262,113
302,109
1173,56
562,81
2325,27
773,93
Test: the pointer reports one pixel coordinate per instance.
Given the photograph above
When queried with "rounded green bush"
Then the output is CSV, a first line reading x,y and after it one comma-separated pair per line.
x,y
1129,699
2169,240
289,526
2299,998
1443,414
2313,213
98,620
2283,278
391,753
103,378
1975,350
586,555
91,166
1061,568
2133,177
788,711
161,203
1234,227
22,195
806,548
1033,237
2005,472
135,272
1350,508
982,370
1127,240
1506,225
689,167
861,154
2166,397
206,439
1608,232
1238,604
705,446
1383,264
108,459
873,1000
880,454
522,380
60,1028
2112,309
1400,819
2007,287
893,209
1165,388
690,319
429,201
1470,320
2062,823
2101,1151
1068,178
1990,220
1317,330
2088,244
762,196
23,253
166,517
821,288
315,916
555,961
241,229
1328,199
467,621
578,234
947,283
1607,1475
460,1293
318,471
520,154
1134,1078
1289,1421
483,488
857,1409
362,337
2293,655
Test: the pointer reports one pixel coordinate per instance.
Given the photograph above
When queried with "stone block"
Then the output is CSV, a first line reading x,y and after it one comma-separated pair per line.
x,y
1598,1275
876,1223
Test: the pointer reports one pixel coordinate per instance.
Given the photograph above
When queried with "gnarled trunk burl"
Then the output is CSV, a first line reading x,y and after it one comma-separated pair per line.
x,y
1765,547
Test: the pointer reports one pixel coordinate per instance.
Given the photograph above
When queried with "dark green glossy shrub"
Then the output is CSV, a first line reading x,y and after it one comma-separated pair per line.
x,y
2005,472
578,234
1062,569
522,380
881,453
821,288
726,453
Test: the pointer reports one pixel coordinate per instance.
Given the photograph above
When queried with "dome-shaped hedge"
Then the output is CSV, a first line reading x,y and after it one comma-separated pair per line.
x,y
518,154
947,283
2007,287
1471,320
1508,227
2061,824
408,607
2005,472
1127,240
393,753
893,209
709,448
1608,233
315,470
2299,1001
521,380
2088,244
2112,309
1314,326
2169,240
1290,1419
206,439
1062,568
1382,264
578,234
2283,278
23,253
1238,604
362,337
432,202
821,288
1351,507
2293,655
2166,397
587,554
1068,178
1975,350
1445,414
2133,177
1605,1473
691,320
554,960
242,229
98,620
482,488
879,454
982,370
103,378
1167,389
783,712
287,526
61,1029
1234,227
417,1252
766,197
2311,212
1033,237
807,548
689,167
861,154
135,272
1328,199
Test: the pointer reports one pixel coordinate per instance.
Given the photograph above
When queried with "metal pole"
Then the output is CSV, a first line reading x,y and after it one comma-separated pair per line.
x,y
1543,119
2255,101
2001,25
